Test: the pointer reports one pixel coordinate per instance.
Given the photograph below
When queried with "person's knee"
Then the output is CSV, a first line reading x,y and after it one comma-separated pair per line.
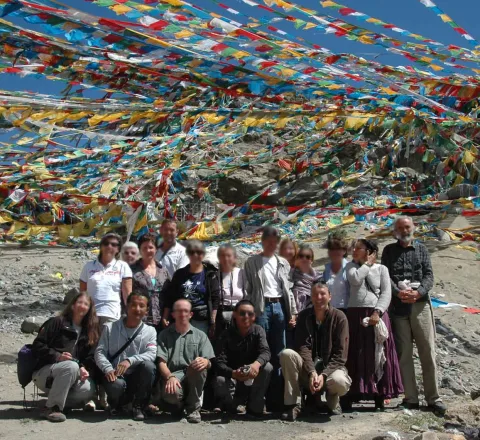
x,y
115,389
287,357
338,383
267,369
67,367
147,368
173,398
193,374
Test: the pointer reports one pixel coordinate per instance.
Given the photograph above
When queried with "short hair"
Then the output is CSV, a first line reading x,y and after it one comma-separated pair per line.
x,y
402,218
270,231
320,283
335,242
194,245
225,247
167,221
147,238
369,244
306,247
286,241
182,299
243,302
137,294
129,245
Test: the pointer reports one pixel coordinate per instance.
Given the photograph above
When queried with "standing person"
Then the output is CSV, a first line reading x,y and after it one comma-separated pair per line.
x,y
241,365
268,288
171,254
198,282
130,253
126,356
149,277
303,277
64,350
373,377
412,313
185,355
318,362
335,275
107,280
288,249
232,286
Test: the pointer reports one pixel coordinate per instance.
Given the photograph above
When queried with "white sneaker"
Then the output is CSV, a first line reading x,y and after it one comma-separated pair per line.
x,y
90,406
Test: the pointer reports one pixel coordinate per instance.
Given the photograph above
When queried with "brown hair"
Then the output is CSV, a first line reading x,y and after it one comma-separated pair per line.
x,y
89,321
145,238
335,242
286,241
106,238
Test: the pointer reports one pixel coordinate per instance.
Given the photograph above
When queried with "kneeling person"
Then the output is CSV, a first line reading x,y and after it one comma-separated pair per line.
x,y
321,341
64,348
126,356
242,365
184,354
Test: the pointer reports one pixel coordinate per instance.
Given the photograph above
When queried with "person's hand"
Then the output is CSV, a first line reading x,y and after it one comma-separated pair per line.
x,y
84,374
374,319
313,381
122,367
199,364
371,258
412,297
238,375
293,322
403,294
211,331
165,322
111,376
172,384
254,370
65,356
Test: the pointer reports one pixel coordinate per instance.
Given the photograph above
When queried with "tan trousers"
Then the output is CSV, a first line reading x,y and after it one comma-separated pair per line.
x,y
338,383
419,327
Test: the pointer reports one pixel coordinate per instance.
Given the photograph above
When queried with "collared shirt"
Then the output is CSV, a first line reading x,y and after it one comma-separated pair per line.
x,y
178,351
408,263
104,285
175,258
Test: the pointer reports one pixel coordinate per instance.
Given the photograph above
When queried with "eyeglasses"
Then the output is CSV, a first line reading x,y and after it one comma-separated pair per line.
x,y
308,257
244,313
196,253
111,243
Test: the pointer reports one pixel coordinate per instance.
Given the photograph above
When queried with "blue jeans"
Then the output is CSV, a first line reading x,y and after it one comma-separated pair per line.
x,y
274,321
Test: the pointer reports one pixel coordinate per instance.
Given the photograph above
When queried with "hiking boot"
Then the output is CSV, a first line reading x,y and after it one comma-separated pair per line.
x,y
89,406
55,415
438,408
408,405
346,404
194,417
138,414
335,412
291,413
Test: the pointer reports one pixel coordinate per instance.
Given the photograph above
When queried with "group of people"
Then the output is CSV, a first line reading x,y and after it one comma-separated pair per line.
x,y
162,326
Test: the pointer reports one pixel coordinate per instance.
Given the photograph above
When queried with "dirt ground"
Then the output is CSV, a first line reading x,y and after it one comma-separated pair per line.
x,y
33,282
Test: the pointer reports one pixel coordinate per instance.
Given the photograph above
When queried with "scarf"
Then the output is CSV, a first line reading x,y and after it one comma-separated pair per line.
x,y
302,287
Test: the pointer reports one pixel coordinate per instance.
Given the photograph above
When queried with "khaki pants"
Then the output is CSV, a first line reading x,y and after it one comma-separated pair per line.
x,y
338,383
418,327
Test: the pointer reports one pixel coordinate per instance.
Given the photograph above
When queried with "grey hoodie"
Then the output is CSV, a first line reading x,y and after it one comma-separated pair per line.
x,y
114,336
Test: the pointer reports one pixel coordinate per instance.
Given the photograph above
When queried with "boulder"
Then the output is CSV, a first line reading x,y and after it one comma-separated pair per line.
x,y
32,324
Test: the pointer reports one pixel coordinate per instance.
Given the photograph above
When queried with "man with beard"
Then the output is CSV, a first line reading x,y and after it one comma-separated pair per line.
x,y
412,313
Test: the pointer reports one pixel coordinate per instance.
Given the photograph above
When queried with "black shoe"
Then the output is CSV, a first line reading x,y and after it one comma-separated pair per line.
x,y
379,403
138,414
408,405
252,415
291,413
438,408
346,404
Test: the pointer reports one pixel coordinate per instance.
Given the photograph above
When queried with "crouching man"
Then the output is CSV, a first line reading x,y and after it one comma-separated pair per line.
x,y
126,356
318,364
242,368
184,354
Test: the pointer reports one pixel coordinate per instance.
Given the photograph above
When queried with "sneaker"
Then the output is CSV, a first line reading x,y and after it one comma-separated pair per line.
x,y
291,413
89,406
335,412
138,414
438,408
55,415
194,417
408,405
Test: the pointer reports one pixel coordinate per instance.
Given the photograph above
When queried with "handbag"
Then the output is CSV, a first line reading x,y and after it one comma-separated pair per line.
x,y
125,346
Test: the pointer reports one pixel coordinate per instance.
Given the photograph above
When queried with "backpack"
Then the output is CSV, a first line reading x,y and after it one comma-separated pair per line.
x,y
26,365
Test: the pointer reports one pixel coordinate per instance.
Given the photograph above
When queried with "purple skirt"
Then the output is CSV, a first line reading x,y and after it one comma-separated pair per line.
x,y
361,359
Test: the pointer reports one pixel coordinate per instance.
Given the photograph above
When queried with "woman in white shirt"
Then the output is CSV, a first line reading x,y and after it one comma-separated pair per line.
x,y
107,279
232,286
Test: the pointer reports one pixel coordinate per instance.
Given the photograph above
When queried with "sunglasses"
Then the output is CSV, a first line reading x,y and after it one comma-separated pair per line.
x,y
196,253
308,257
244,313
111,243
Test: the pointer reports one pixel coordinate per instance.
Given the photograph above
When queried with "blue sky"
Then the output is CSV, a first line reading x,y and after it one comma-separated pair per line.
x,y
407,14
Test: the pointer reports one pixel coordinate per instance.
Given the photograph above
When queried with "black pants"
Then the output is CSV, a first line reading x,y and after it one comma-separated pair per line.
x,y
135,386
